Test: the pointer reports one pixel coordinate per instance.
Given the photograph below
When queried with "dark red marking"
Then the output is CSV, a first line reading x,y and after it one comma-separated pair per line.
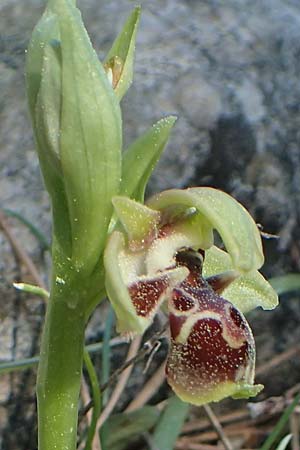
x,y
145,294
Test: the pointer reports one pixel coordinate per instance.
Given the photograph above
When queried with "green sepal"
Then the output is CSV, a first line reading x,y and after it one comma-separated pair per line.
x,y
139,221
231,220
248,291
121,55
141,157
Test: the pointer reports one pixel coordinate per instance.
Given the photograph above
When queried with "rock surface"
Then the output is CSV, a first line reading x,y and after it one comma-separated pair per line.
x,y
230,71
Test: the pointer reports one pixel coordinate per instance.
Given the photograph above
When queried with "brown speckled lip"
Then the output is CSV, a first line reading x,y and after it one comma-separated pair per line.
x,y
207,355
219,345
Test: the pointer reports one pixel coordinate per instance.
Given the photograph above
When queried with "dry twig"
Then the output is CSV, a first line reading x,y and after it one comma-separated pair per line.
x,y
149,389
278,359
218,427
145,350
133,350
21,254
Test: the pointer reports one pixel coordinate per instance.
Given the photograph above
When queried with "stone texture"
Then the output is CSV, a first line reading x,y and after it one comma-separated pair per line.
x,y
230,71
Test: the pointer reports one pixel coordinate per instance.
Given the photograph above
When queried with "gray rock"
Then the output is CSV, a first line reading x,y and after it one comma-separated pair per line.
x,y
198,101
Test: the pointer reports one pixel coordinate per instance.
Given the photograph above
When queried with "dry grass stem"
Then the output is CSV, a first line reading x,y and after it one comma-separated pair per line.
x,y
133,350
152,385
278,360
20,253
218,427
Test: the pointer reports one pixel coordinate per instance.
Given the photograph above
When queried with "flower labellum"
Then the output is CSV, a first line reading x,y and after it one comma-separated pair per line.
x,y
212,352
158,254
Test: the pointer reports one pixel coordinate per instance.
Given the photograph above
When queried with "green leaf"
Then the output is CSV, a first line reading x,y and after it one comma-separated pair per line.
x,y
122,53
47,132
170,424
45,30
90,138
43,54
286,283
280,424
248,291
234,224
32,228
141,157
78,127
120,429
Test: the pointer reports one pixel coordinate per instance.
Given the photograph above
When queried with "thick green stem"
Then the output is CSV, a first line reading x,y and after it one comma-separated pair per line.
x,y
60,365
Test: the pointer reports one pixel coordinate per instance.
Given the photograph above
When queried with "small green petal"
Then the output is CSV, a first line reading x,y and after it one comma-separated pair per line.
x,y
234,224
139,221
248,291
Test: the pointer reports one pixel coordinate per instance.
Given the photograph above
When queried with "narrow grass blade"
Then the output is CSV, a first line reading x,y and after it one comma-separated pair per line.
x,y
105,356
286,283
280,424
96,396
32,228
121,429
284,442
169,426
28,363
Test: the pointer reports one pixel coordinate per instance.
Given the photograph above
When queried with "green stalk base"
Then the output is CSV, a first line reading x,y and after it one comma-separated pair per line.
x,y
59,373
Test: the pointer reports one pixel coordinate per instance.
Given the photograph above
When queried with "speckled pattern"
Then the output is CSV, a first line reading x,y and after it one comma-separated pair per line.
x,y
211,342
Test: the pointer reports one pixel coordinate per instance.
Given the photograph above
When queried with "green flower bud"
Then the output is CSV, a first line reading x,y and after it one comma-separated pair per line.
x,y
77,125
119,61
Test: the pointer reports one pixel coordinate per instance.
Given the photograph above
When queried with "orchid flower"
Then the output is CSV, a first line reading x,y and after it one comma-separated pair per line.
x,y
163,254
